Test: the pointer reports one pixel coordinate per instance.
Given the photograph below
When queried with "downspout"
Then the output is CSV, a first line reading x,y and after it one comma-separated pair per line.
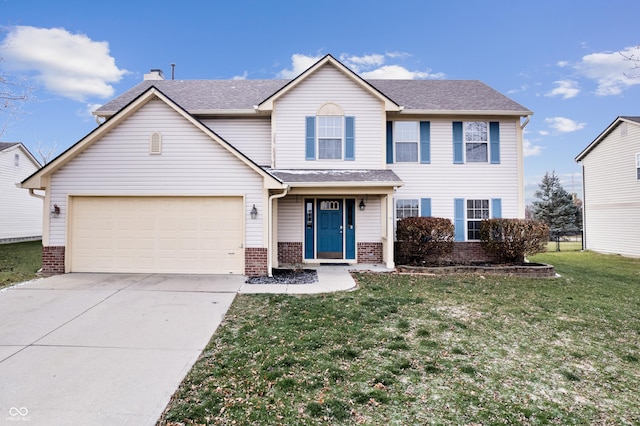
x,y
270,229
523,125
33,194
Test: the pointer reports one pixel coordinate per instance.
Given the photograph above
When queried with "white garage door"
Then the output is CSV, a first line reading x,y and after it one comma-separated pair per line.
x,y
192,235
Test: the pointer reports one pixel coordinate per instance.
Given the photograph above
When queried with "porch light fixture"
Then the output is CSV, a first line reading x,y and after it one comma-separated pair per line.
x,y
55,211
254,212
362,205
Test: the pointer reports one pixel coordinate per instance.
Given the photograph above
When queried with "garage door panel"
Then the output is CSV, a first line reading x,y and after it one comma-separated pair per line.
x,y
157,234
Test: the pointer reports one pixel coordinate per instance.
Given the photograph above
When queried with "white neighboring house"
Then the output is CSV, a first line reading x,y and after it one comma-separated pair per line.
x,y
611,189
240,176
20,212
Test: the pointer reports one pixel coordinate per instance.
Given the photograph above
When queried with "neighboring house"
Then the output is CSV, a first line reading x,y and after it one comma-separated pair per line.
x,y
611,186
240,176
20,212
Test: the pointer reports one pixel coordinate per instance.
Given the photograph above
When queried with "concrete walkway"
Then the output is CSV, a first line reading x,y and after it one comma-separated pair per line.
x,y
111,349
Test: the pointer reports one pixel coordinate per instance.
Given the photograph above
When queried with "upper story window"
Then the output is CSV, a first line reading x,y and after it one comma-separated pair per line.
x,y
16,159
330,137
406,140
638,166
476,141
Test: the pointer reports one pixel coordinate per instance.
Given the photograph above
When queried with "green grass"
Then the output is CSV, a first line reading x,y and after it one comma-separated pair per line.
x,y
406,349
19,262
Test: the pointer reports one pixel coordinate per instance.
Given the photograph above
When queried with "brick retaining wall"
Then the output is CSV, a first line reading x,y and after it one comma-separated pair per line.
x,y
53,260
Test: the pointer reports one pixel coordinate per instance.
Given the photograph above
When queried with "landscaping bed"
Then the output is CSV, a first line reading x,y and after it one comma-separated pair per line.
x,y
532,270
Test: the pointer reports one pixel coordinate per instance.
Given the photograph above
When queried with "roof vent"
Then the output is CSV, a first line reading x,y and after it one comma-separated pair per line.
x,y
155,74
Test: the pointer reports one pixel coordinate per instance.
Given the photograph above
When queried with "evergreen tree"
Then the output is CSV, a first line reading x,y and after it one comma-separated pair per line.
x,y
555,206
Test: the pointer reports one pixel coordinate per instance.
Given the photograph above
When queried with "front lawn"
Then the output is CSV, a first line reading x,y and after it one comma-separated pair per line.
x,y
407,349
19,262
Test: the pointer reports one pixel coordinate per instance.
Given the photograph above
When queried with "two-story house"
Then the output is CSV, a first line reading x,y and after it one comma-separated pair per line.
x,y
239,176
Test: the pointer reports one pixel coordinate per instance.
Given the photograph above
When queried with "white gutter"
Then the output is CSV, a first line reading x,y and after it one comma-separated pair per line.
x,y
523,125
33,194
270,229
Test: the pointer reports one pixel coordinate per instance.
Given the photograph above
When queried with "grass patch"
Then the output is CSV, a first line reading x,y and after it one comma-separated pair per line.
x,y
19,262
407,349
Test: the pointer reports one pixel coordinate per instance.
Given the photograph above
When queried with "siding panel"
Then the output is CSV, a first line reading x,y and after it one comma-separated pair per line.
x,y
190,164
329,85
612,194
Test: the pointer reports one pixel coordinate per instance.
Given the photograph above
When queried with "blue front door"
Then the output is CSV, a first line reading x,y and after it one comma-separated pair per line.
x,y
330,229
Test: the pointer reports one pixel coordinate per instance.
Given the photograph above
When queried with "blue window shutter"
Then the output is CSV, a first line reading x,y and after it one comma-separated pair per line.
x,y
457,142
310,144
389,142
496,208
425,207
494,137
425,142
458,214
349,138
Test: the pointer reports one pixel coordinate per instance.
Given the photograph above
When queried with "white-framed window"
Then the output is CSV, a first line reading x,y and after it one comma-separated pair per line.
x,y
476,141
477,210
638,166
330,135
16,160
406,135
155,143
407,208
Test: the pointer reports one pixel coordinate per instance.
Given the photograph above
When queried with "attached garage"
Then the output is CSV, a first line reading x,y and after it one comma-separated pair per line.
x,y
191,235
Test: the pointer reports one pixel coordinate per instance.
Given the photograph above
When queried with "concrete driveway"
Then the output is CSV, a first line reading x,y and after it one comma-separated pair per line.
x,y
103,349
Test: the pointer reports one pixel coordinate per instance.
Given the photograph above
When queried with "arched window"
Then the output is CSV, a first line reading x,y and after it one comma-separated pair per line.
x,y
155,143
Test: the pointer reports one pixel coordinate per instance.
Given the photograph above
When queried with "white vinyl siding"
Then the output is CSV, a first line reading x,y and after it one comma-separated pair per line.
x,y
20,212
328,85
191,164
612,194
251,136
443,181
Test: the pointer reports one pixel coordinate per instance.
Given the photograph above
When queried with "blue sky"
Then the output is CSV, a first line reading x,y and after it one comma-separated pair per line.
x,y
560,59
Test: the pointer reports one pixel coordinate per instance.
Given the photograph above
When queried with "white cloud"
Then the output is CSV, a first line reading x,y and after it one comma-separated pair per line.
x,y
611,71
356,63
563,64
299,63
71,65
241,77
397,72
564,125
367,66
566,88
529,149
543,133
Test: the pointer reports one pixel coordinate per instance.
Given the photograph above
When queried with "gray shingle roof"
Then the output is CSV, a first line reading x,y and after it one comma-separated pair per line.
x,y
382,177
5,145
630,118
217,95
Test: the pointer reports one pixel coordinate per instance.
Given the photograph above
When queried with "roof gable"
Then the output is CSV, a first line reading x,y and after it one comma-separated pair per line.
x,y
11,146
328,60
36,180
628,119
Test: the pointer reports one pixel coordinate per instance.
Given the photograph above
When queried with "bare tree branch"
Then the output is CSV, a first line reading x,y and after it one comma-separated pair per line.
x,y
634,58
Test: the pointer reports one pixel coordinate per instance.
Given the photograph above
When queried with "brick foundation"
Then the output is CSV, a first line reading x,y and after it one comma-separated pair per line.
x,y
290,252
466,253
53,260
255,261
370,253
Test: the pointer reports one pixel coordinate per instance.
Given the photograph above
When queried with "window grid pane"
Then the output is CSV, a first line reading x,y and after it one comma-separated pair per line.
x,y
406,131
406,208
476,211
476,138
330,149
406,152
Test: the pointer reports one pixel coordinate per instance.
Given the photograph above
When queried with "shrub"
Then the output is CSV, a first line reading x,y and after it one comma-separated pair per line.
x,y
423,239
512,239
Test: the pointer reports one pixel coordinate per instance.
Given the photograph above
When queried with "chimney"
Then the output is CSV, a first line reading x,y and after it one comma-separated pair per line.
x,y
155,74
